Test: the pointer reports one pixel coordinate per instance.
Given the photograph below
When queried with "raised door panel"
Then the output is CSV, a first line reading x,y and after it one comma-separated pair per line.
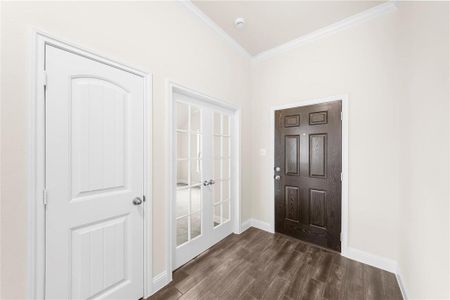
x,y
99,258
99,134
292,203
317,208
318,155
292,156
292,121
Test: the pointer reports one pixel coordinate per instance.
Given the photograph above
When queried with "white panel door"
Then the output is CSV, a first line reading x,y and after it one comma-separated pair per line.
x,y
94,179
203,192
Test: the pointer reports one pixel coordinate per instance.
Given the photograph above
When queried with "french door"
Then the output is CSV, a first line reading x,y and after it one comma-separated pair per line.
x,y
203,198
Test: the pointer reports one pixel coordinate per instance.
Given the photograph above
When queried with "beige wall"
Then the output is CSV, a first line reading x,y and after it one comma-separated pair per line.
x,y
394,69
160,37
424,149
360,62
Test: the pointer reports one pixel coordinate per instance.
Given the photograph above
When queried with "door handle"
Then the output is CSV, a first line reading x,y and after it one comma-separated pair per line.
x,y
211,182
137,201
277,177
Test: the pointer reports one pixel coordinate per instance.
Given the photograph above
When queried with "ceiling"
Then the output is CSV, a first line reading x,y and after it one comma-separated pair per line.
x,y
272,23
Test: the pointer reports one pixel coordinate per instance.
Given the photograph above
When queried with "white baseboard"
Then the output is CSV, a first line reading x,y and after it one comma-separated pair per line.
x,y
401,283
257,224
380,262
159,281
246,225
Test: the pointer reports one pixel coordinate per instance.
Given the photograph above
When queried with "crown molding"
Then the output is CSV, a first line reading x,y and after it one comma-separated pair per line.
x,y
330,29
211,24
363,16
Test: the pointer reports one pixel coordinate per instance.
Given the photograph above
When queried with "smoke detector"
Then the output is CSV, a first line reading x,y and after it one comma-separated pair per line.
x,y
239,23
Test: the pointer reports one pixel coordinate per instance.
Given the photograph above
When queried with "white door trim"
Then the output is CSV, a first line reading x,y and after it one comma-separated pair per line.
x,y
344,192
36,161
171,87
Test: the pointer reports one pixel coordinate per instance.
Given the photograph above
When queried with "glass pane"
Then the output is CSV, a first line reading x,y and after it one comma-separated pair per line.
x,y
182,230
226,168
217,146
226,147
226,211
195,119
196,224
216,192
217,175
195,146
226,125
195,172
182,202
182,145
196,198
225,190
182,116
182,173
217,125
216,214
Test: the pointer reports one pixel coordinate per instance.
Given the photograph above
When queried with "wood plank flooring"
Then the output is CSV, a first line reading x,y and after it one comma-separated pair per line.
x,y
260,265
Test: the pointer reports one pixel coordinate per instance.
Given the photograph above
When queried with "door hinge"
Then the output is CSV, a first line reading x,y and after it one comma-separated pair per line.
x,y
342,116
342,176
44,198
44,78
143,198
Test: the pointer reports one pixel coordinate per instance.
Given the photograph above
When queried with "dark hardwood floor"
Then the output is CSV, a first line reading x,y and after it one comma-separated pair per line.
x,y
260,265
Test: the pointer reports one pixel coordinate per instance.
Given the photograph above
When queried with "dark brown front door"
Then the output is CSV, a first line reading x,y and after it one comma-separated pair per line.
x,y
308,173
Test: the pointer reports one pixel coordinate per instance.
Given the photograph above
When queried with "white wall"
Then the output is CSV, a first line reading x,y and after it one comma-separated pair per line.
x,y
395,70
160,37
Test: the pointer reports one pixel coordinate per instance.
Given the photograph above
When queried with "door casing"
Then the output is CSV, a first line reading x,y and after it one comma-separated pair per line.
x,y
344,192
36,160
236,169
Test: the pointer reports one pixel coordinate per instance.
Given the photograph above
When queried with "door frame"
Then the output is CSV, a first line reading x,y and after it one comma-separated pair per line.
x,y
171,136
36,159
344,182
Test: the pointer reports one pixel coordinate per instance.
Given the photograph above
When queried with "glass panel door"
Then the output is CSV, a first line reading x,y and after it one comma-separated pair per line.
x,y
222,166
188,203
203,198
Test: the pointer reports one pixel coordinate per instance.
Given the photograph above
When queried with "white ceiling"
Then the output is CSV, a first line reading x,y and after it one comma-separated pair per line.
x,y
273,23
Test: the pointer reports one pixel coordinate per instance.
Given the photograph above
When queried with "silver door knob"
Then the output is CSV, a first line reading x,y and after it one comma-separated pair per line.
x,y
277,169
137,201
205,183
212,182
277,177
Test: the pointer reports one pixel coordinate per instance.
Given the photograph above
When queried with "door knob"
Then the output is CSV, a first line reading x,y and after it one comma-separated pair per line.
x,y
212,181
137,201
277,169
277,177
205,183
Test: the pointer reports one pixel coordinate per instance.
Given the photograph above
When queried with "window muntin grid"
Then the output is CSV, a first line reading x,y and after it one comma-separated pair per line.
x,y
222,168
189,172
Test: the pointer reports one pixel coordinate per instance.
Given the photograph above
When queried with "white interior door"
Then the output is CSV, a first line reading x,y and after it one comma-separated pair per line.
x,y
203,202
94,179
